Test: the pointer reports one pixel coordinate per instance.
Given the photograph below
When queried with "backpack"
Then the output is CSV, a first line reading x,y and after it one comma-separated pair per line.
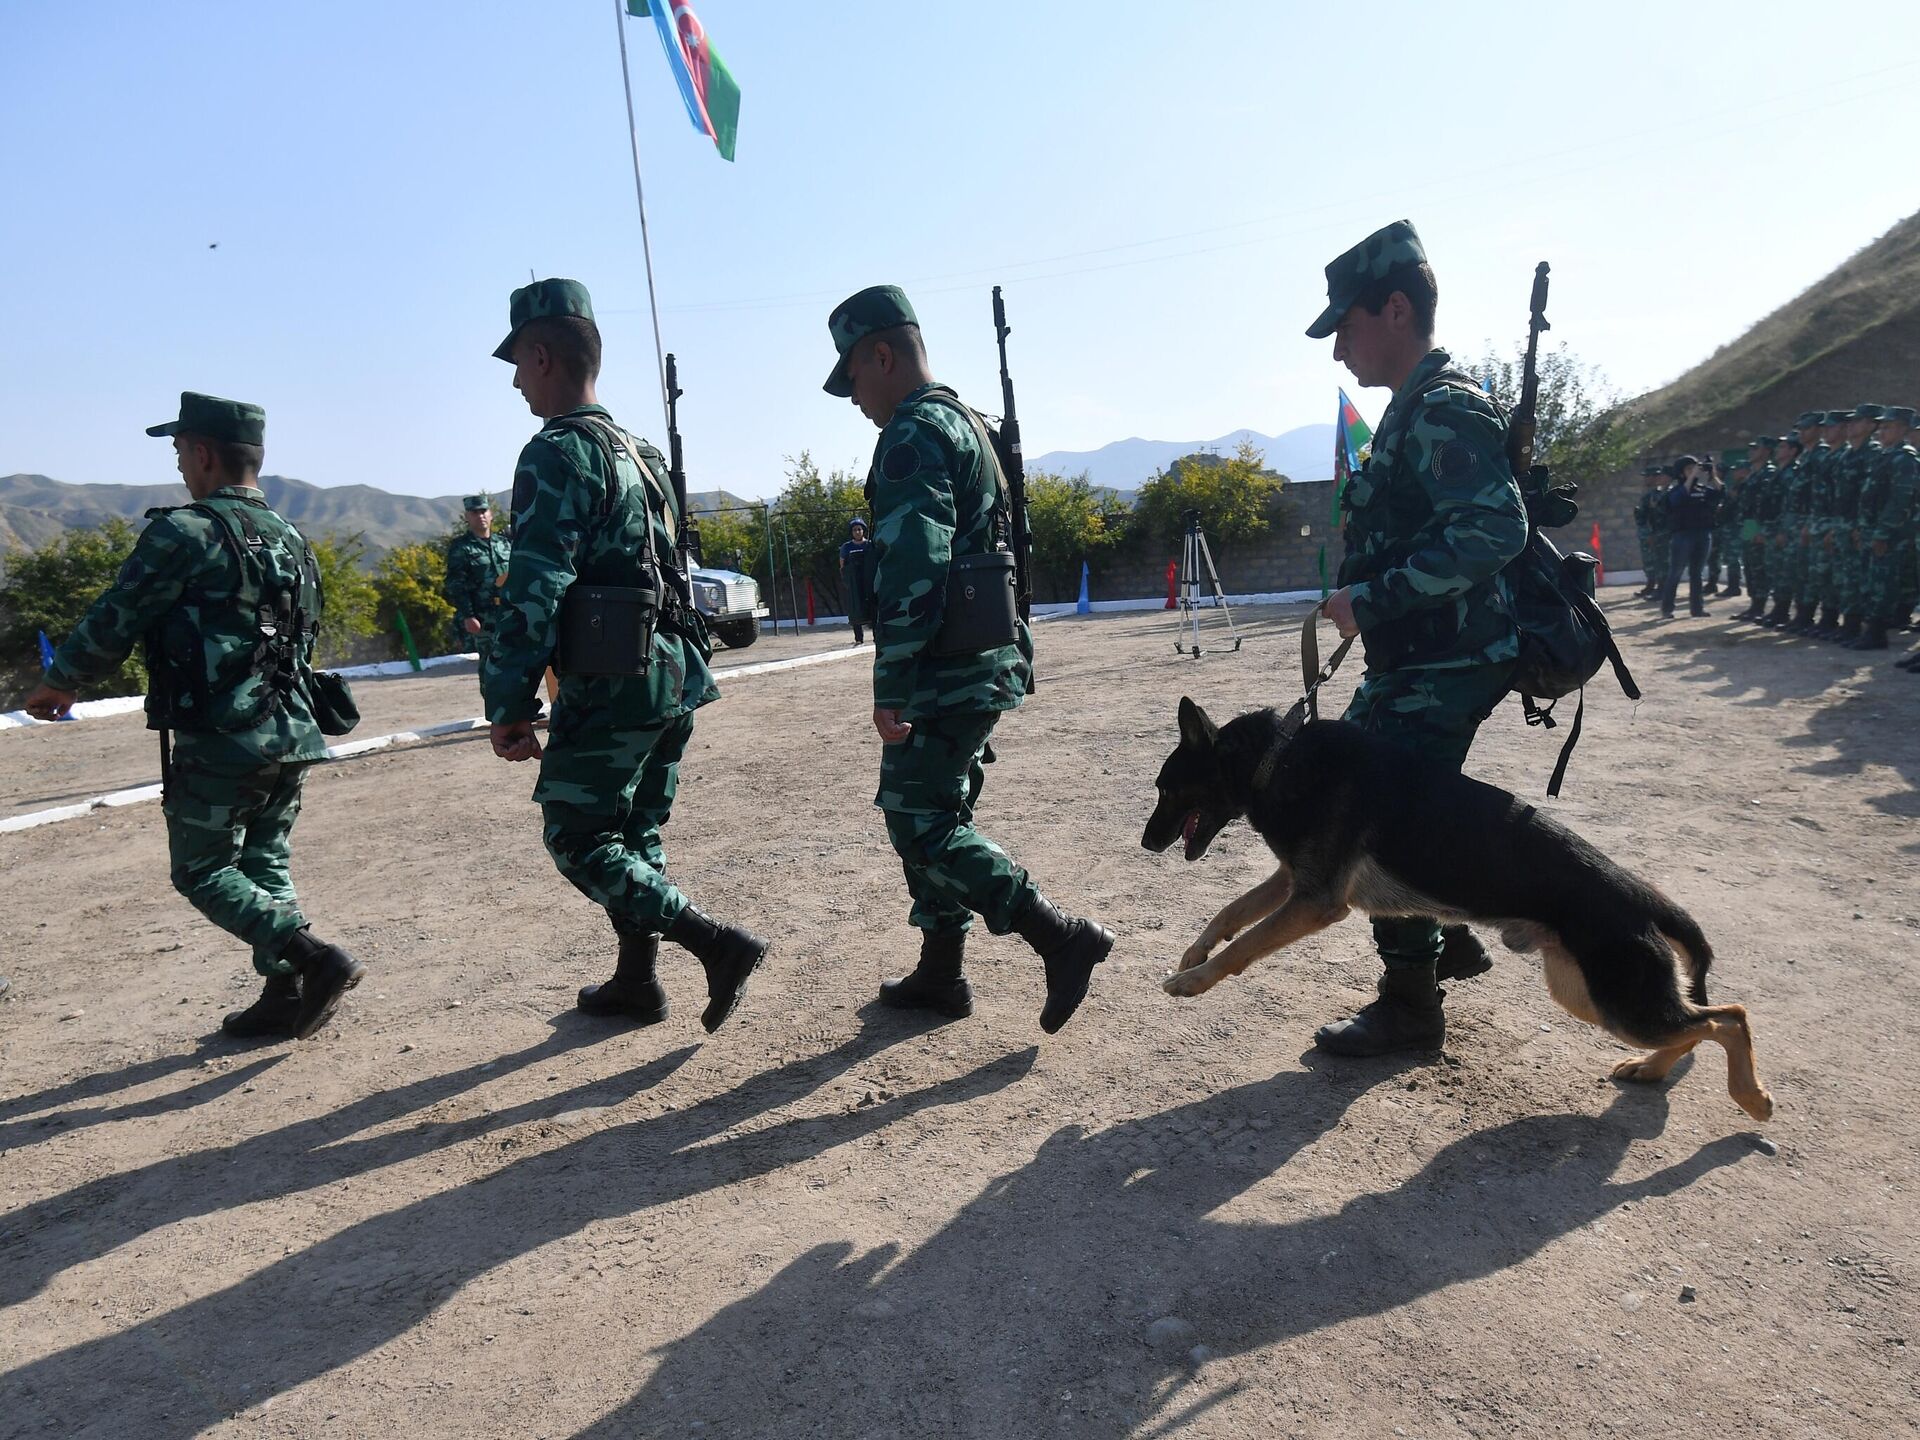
x,y
1564,634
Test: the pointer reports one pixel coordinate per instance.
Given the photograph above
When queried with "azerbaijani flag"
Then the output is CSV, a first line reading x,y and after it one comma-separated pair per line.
x,y
1350,435
706,85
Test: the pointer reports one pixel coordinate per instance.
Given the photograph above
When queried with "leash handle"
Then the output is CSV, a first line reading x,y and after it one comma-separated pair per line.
x,y
1312,674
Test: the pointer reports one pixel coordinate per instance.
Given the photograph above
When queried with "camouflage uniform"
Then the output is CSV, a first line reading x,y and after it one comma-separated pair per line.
x,y
1846,584
1726,558
476,569
1650,523
1754,506
1822,528
1430,520
611,763
240,749
1889,510
932,494
1796,520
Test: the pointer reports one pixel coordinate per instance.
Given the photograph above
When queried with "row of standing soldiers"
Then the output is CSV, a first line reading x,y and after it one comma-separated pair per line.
x,y
1819,523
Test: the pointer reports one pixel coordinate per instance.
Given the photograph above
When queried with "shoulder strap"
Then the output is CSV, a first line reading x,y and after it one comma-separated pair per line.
x,y
990,458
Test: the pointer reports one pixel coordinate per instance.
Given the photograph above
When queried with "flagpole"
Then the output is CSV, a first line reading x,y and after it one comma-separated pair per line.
x,y
640,195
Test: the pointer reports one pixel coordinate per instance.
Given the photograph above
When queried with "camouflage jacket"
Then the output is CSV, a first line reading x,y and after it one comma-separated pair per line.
x,y
1650,514
1850,479
932,493
1890,506
1758,498
1431,519
1826,467
574,518
1796,504
474,571
180,591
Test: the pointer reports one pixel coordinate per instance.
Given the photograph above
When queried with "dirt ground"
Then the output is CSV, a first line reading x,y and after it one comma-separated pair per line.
x,y
463,1210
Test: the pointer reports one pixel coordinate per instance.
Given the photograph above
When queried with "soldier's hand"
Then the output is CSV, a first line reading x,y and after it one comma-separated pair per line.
x,y
515,741
47,703
471,625
891,727
1338,607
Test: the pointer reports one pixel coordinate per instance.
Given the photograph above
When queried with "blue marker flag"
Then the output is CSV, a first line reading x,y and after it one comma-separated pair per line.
x,y
46,652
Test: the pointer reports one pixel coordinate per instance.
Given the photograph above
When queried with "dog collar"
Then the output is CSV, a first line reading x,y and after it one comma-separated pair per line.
x,y
1289,727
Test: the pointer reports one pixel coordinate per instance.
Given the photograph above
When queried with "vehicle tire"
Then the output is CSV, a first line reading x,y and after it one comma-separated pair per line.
x,y
737,634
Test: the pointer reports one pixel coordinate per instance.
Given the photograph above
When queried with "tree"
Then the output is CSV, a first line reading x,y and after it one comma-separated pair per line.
x,y
1580,430
350,600
734,539
50,589
408,582
1070,521
1237,496
810,519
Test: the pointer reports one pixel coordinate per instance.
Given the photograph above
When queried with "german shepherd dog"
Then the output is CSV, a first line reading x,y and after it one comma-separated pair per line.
x,y
1357,822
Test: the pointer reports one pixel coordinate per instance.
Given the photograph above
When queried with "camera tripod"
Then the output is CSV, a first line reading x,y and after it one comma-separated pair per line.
x,y
1195,552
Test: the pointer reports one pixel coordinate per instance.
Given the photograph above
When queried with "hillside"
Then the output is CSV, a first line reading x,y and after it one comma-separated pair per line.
x,y
34,509
1305,453
1852,336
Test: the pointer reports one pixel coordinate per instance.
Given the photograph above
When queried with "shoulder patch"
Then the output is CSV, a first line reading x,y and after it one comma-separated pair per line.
x,y
1455,462
900,461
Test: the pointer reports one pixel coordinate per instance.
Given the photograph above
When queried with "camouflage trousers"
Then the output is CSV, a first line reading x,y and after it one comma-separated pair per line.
x,y
1725,561
1787,563
1653,556
604,793
229,833
1816,576
1753,553
929,784
1434,713
1844,589
1887,584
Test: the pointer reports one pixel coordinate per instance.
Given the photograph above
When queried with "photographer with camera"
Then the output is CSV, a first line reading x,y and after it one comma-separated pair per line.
x,y
1693,507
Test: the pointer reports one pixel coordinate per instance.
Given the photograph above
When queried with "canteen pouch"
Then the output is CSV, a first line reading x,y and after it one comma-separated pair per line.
x,y
334,708
981,613
606,630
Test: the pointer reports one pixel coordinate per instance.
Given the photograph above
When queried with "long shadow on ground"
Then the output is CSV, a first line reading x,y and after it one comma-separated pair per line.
x,y
1025,1315
325,1306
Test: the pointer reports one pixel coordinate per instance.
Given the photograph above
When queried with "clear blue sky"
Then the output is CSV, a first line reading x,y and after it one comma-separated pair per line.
x,y
1156,185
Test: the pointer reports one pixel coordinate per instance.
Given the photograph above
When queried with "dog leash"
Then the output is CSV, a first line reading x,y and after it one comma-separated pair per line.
x,y
1313,675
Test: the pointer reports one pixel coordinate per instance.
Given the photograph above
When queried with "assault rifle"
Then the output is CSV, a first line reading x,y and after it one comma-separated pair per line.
x,y
1520,426
1007,445
687,534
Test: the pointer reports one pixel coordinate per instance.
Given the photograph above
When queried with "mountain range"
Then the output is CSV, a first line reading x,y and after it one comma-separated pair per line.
x,y
1304,453
34,509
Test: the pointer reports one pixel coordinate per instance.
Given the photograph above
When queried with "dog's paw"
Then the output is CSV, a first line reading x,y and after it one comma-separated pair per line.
x,y
1195,956
1639,1071
1188,983
1758,1104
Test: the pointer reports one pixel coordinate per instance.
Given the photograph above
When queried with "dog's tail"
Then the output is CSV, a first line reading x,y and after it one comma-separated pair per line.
x,y
1685,935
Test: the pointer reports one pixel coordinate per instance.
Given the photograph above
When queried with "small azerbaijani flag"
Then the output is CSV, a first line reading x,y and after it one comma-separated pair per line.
x,y
706,85
1350,436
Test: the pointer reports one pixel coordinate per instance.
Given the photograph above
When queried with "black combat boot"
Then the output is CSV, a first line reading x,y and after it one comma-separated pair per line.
x,y
1462,956
727,953
1827,626
326,973
1069,948
634,991
1756,608
271,1017
1709,588
1850,628
1873,636
1777,617
1802,619
1732,592
1407,1016
936,983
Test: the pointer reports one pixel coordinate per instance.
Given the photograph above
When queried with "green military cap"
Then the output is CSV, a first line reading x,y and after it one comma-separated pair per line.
x,y
1836,417
1386,249
878,307
1868,412
477,502
1898,415
233,421
1808,420
539,301
1647,470
1763,442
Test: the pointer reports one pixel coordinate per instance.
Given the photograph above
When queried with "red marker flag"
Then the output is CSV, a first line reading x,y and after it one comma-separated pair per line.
x,y
706,85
